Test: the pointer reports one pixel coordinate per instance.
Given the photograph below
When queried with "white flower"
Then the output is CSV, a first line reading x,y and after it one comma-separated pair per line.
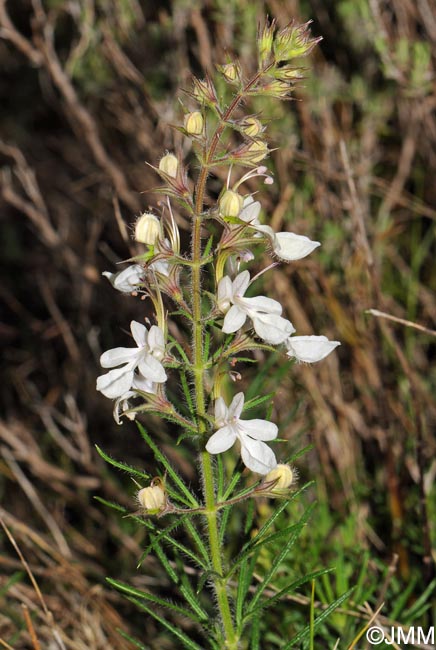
x,y
264,312
122,403
255,454
309,348
127,280
286,245
146,357
160,266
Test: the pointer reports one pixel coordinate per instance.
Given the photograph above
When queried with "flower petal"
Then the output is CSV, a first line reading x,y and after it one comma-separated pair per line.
x,y
250,211
310,348
224,294
126,281
221,412
257,456
261,304
259,429
152,369
156,341
289,246
115,383
117,356
271,328
235,408
240,283
221,440
139,332
143,383
234,320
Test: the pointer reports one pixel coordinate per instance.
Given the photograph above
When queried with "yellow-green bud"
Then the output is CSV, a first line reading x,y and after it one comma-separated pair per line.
x,y
169,165
283,475
230,71
194,123
252,127
259,149
231,204
147,229
152,499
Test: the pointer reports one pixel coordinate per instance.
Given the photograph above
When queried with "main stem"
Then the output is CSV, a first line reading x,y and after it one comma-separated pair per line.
x,y
211,509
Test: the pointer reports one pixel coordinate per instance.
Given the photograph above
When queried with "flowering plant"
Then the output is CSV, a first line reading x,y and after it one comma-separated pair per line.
x,y
208,289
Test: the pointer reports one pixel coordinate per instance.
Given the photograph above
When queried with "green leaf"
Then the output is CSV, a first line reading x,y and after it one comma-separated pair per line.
x,y
181,636
187,392
279,558
181,581
180,350
283,592
197,539
304,634
257,539
174,476
165,535
421,602
125,468
244,582
135,642
255,401
132,591
14,579
111,504
208,247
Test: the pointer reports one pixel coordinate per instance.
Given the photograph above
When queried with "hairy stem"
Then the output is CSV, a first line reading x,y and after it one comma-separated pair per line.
x,y
199,370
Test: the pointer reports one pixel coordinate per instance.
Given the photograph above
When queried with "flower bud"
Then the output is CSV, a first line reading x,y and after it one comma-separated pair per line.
x,y
169,165
284,476
152,499
194,123
147,229
258,150
252,127
230,71
231,204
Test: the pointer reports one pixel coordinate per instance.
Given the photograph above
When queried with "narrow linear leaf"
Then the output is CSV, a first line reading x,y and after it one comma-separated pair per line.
x,y
111,504
161,458
410,613
301,636
132,591
197,539
187,392
244,582
125,468
255,401
135,642
181,636
278,560
285,591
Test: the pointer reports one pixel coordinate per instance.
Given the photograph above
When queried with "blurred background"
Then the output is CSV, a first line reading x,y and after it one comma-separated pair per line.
x,y
88,90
